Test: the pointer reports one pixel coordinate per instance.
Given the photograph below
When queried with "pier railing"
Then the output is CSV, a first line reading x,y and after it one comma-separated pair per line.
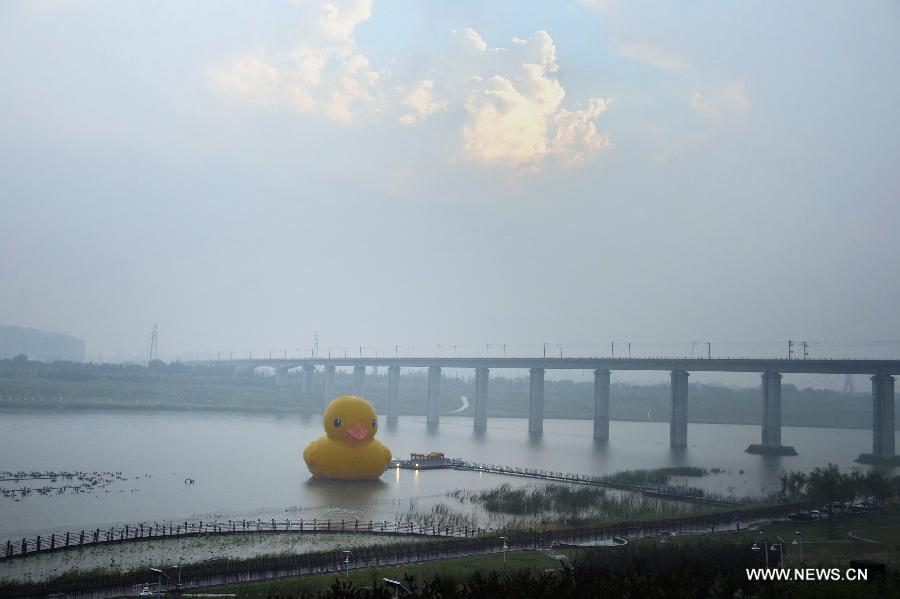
x,y
682,493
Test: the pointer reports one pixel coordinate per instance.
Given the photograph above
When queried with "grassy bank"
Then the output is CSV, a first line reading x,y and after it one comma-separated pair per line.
x,y
820,547
710,562
457,568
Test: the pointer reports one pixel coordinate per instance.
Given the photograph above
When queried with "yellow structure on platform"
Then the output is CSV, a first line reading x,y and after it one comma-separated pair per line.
x,y
349,450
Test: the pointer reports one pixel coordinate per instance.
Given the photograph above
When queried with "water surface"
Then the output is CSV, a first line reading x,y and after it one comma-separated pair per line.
x,y
249,465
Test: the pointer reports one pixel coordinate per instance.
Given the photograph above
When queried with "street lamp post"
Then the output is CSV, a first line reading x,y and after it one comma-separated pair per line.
x,y
160,574
505,549
347,563
780,544
398,586
798,540
765,548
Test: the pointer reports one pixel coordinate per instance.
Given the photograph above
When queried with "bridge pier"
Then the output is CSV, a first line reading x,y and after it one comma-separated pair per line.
x,y
536,409
482,376
281,377
882,423
329,384
678,421
883,416
601,404
308,371
771,418
359,380
393,407
432,415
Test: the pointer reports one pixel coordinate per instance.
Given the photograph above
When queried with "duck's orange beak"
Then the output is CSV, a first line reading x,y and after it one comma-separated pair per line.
x,y
358,432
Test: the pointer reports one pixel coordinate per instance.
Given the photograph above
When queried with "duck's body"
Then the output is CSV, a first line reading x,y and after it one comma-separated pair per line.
x,y
327,458
348,451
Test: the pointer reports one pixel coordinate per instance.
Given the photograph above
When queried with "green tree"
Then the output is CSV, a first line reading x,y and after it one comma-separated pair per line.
x,y
827,484
878,485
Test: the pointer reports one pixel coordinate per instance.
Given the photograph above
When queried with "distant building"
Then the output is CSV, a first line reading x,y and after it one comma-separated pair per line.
x,y
39,345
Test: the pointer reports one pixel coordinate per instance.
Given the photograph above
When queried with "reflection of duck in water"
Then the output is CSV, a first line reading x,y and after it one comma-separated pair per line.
x,y
349,450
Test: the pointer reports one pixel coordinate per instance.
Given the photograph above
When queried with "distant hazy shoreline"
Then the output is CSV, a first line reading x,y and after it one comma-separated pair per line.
x,y
44,409
41,386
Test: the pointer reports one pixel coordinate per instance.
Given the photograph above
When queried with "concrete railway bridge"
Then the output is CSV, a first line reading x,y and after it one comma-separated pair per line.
x,y
771,370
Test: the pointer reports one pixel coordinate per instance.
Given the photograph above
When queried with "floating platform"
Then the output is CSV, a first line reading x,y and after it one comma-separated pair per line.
x,y
763,450
426,461
869,458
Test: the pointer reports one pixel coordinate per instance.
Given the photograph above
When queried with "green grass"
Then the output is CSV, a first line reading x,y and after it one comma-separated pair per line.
x,y
458,568
820,544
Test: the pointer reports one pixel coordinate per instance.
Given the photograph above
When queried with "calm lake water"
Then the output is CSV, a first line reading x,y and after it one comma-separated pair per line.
x,y
249,465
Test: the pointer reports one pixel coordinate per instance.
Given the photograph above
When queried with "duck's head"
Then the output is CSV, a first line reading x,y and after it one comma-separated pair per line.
x,y
350,418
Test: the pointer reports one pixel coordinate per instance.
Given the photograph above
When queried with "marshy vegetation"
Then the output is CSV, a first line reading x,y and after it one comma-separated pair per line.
x,y
547,504
657,476
76,482
440,515
567,503
570,503
553,498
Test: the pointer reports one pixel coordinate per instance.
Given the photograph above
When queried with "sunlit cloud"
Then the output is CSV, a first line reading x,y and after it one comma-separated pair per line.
x,y
506,103
422,103
324,74
515,117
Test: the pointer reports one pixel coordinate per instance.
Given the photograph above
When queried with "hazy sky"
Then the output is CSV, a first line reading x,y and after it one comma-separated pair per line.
x,y
248,173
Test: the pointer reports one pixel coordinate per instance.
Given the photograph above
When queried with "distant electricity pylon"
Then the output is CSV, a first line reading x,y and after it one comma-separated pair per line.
x,y
154,344
848,384
803,344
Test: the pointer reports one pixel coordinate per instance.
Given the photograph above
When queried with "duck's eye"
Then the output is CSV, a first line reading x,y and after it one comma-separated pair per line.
x,y
374,423
337,423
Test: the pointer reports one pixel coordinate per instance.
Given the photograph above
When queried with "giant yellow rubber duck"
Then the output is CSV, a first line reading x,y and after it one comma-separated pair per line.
x,y
349,450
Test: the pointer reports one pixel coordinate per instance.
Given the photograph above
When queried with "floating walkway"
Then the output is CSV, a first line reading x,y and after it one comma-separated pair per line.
x,y
665,491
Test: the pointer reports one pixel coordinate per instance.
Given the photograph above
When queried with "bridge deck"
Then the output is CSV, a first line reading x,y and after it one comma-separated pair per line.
x,y
836,366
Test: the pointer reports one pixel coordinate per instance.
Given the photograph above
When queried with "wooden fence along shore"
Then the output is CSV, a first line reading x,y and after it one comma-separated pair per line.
x,y
144,532
219,572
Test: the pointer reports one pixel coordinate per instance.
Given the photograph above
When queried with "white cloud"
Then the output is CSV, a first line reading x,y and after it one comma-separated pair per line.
x,y
729,100
576,134
252,78
422,102
323,74
515,117
339,22
470,40
655,56
508,102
